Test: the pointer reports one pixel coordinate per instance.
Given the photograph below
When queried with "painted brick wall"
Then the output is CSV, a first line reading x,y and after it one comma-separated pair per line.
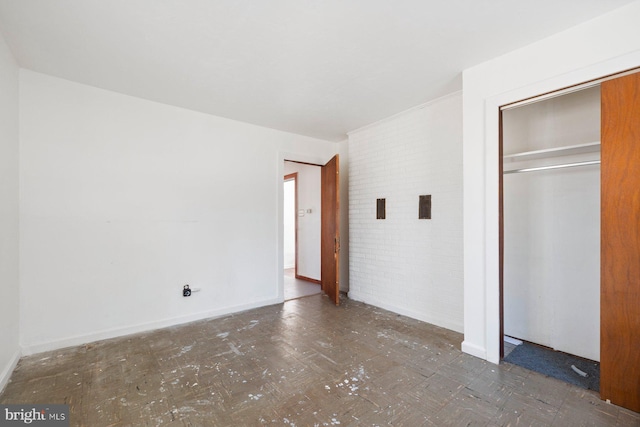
x,y
408,265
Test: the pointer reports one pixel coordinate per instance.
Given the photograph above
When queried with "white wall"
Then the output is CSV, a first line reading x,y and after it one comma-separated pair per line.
x,y
552,227
309,225
408,265
9,277
124,200
599,47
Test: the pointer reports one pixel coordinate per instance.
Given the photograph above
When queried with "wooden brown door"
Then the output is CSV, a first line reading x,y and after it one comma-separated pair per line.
x,y
620,243
330,241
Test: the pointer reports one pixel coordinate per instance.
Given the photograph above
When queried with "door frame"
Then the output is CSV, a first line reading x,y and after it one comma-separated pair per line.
x,y
525,101
309,159
610,271
482,290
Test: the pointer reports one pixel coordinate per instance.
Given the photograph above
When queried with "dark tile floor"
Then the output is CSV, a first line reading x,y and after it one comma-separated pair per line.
x,y
302,363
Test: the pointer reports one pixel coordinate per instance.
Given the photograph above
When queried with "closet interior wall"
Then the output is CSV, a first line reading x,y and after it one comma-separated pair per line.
x,y
552,223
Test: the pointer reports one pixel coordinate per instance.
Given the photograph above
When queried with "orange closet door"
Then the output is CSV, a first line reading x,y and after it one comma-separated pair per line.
x,y
620,242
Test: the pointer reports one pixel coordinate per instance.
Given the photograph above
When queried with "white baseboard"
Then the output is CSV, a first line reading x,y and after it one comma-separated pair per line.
x,y
143,327
8,370
474,350
424,317
511,340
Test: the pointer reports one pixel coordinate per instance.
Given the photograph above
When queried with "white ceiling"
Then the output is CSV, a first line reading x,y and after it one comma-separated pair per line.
x,y
318,68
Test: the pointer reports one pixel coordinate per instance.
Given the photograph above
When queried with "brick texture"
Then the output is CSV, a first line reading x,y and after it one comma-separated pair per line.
x,y
408,265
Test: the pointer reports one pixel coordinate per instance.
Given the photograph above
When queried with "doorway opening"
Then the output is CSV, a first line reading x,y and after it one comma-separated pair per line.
x,y
317,229
289,216
301,234
550,243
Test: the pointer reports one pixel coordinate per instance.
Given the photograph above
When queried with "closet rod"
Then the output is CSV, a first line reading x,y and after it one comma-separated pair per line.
x,y
564,165
590,147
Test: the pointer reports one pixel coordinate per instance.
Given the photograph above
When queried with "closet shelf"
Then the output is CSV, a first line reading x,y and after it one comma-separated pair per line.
x,y
590,147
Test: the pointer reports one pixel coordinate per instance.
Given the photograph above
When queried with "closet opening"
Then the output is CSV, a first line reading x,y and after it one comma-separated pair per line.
x,y
550,235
